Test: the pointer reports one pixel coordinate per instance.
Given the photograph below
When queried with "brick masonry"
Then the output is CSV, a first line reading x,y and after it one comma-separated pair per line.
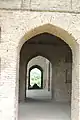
x,y
17,26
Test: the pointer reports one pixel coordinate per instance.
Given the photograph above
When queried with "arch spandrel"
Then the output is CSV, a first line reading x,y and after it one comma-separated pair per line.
x,y
51,29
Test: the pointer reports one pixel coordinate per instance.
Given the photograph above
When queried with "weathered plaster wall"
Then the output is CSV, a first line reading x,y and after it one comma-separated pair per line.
x,y
59,5
62,88
17,26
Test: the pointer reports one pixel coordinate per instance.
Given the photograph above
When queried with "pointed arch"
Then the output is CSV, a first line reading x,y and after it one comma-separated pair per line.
x,y
51,29
74,46
41,77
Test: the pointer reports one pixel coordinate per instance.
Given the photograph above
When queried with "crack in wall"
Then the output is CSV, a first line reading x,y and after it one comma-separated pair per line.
x,y
37,10
22,2
71,4
30,4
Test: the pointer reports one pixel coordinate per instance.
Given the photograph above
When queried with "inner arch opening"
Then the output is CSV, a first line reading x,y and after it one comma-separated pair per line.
x,y
38,86
60,56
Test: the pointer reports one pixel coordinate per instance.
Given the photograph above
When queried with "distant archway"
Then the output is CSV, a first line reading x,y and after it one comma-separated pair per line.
x,y
67,38
35,77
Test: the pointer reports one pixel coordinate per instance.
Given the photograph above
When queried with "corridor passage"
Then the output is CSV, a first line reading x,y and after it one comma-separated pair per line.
x,y
44,110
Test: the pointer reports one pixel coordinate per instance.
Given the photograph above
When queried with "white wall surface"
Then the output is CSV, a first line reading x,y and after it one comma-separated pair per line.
x,y
62,5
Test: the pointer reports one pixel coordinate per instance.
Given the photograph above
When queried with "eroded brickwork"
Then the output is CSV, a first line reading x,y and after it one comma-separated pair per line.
x,y
17,26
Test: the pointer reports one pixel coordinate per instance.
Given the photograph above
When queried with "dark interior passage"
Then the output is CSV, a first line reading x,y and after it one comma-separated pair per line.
x,y
59,54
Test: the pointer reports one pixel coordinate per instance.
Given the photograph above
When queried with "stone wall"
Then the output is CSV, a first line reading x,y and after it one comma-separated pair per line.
x,y
17,26
49,5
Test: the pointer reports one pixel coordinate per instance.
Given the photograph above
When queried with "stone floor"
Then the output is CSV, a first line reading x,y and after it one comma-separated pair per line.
x,y
44,110
41,94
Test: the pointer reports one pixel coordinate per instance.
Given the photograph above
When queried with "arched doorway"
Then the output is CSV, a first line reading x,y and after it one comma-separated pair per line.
x,y
61,58
42,79
35,80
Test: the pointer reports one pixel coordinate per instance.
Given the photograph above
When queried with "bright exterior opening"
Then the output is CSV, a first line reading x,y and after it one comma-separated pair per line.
x,y
35,78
